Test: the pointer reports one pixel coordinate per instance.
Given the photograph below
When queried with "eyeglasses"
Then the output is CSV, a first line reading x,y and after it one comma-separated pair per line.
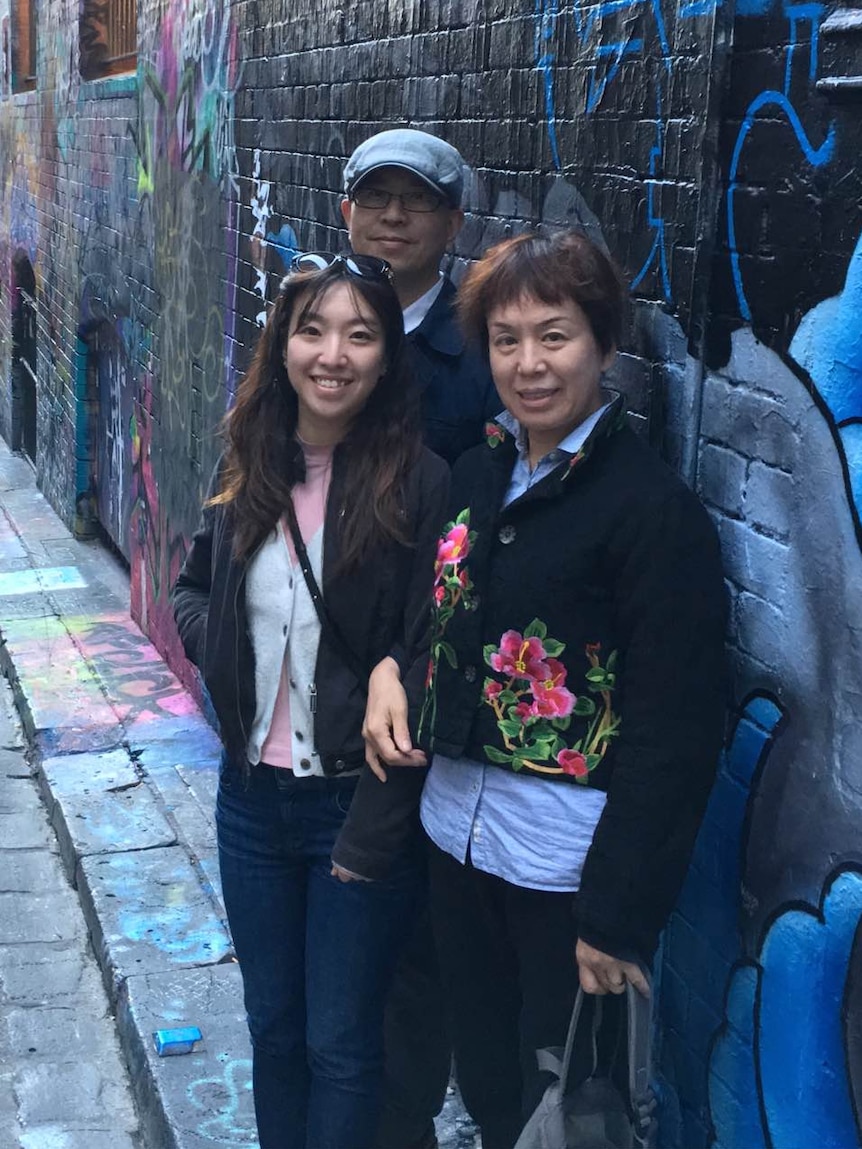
x,y
364,266
376,199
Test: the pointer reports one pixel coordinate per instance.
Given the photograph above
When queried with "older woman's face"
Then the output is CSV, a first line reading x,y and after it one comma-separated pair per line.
x,y
547,366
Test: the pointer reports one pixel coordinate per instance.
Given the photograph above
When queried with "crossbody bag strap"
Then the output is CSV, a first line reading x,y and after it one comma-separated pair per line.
x,y
327,623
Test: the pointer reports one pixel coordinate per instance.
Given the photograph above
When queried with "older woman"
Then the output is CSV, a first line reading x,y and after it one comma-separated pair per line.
x,y
575,695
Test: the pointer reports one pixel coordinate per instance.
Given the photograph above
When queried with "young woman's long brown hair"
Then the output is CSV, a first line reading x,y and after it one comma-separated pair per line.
x,y
263,459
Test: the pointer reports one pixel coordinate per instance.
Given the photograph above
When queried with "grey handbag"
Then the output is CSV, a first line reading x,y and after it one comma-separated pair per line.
x,y
596,1114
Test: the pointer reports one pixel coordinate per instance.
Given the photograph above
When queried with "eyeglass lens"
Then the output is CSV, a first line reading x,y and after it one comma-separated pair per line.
x,y
377,199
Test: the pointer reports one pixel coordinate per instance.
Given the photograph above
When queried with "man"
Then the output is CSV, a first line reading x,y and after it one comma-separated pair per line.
x,y
403,204
403,193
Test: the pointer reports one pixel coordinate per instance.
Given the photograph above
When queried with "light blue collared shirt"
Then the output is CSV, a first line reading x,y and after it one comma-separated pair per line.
x,y
526,830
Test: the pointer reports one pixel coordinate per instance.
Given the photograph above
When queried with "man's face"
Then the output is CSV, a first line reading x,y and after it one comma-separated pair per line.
x,y
413,242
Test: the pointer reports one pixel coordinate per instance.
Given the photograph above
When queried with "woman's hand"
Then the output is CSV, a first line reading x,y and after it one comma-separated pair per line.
x,y
600,973
346,875
385,730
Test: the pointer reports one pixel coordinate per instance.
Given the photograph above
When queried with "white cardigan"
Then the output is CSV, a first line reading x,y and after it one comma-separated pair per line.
x,y
285,635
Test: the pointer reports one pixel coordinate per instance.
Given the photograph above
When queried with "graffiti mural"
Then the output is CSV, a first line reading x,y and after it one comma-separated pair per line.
x,y
764,919
587,55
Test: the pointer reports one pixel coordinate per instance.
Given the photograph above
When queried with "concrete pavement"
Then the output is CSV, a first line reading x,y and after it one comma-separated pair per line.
x,y
127,766
63,1082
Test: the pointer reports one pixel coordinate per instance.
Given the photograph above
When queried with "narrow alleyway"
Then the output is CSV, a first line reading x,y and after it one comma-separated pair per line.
x,y
63,1081
127,768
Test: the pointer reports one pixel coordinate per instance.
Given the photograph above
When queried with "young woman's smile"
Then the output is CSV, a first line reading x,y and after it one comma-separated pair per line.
x,y
334,357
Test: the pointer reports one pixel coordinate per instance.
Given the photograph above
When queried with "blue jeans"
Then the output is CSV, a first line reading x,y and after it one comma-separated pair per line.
x,y
316,954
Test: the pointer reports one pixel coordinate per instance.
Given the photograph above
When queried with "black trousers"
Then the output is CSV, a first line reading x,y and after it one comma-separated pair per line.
x,y
418,1045
507,957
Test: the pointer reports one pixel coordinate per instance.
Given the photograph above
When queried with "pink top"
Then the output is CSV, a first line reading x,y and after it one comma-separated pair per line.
x,y
309,501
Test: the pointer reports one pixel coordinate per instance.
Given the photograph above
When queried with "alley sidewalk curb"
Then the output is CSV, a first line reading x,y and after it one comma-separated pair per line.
x,y
129,788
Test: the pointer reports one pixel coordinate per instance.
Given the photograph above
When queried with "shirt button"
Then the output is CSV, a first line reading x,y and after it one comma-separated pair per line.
x,y
507,534
284,629
470,673
290,584
305,763
292,685
299,735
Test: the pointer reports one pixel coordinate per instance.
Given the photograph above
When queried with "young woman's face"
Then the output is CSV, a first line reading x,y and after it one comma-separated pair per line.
x,y
547,366
334,357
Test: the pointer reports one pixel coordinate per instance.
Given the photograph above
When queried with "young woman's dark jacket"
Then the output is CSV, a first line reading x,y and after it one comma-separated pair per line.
x,y
380,609
608,553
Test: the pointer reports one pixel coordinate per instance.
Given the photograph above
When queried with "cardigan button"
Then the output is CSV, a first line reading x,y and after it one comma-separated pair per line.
x,y
470,673
507,534
305,763
340,764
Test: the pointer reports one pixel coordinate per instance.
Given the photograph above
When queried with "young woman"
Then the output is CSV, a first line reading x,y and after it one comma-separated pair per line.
x,y
575,694
324,492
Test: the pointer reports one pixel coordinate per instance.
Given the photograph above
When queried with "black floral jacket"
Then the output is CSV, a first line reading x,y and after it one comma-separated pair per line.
x,y
578,636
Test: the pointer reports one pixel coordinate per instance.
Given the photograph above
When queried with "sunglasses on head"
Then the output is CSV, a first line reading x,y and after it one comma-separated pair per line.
x,y
365,266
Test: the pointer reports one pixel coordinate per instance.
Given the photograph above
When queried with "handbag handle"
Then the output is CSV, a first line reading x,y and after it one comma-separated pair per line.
x,y
327,624
639,1035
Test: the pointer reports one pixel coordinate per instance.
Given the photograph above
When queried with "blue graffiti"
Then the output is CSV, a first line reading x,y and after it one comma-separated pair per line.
x,y
545,64
791,999
603,63
226,1103
828,344
658,251
284,243
702,942
699,8
616,53
817,156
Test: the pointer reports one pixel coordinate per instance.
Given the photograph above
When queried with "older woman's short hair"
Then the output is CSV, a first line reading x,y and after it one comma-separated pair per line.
x,y
551,268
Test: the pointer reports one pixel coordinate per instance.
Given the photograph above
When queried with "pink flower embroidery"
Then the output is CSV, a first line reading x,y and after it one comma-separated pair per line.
x,y
494,434
520,657
439,594
552,699
524,711
429,673
493,690
453,547
573,762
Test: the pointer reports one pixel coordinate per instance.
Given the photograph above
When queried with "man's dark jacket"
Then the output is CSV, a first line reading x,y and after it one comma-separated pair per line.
x,y
380,609
610,553
457,392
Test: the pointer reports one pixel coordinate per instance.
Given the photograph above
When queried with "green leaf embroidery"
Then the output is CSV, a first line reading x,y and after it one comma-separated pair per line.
x,y
510,727
536,629
448,653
